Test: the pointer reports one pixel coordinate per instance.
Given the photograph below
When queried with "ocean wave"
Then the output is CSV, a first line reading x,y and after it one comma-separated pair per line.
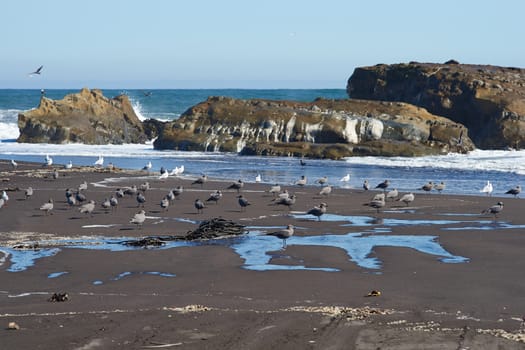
x,y
8,131
502,161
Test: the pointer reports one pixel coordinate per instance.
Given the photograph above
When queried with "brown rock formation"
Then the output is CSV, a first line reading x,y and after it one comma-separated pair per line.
x,y
488,100
320,129
87,117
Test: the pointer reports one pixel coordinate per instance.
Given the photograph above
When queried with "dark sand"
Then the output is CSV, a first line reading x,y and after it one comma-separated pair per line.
x,y
215,303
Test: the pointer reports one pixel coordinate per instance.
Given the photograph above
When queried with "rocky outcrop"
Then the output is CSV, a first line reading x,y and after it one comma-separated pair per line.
x,y
321,129
86,117
488,100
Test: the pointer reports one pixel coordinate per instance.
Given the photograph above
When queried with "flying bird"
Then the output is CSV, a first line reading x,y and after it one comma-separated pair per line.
x,y
37,71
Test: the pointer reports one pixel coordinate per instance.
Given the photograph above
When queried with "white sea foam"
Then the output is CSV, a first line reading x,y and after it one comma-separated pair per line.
x,y
9,124
504,161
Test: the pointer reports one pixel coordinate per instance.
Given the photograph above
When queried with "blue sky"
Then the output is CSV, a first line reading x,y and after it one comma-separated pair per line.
x,y
244,44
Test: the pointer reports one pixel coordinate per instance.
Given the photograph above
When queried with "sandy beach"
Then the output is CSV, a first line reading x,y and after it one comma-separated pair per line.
x,y
448,276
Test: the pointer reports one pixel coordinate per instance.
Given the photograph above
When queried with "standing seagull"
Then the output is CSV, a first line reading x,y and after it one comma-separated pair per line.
x,y
514,191
49,161
376,204
113,201
302,181
47,207
392,194
407,198
440,186
99,162
283,234
345,178
14,164
495,209
366,185
427,187
383,185
37,71
325,191
87,208
215,196
258,178
236,186
199,205
200,180
29,192
139,218
243,202
317,211
487,189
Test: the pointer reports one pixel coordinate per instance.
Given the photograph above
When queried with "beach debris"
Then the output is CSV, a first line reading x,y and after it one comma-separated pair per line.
x,y
145,242
215,228
161,345
13,326
59,297
349,313
373,293
189,308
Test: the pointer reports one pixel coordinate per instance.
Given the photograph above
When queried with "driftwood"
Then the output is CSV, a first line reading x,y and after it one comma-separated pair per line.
x,y
59,297
213,228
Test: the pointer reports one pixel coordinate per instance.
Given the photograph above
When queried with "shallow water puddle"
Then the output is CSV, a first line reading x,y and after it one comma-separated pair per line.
x,y
359,220
256,249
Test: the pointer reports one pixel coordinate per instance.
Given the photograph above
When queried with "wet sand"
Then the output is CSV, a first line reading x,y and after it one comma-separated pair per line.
x,y
207,296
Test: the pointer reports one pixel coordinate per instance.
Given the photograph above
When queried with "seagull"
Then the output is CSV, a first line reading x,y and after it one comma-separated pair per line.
x,y
392,194
258,178
139,218
495,209
47,207
164,175
99,162
366,185
283,234
69,165
302,181
325,191
383,185
236,186
14,164
5,197
37,71
79,197
440,186
106,204
87,208
243,202
302,162
275,189
199,205
379,197
407,198
345,178
147,167
2,202
141,200
177,170
287,201
514,191
113,201
119,193
144,186
487,189
177,191
376,204
200,180
215,196
29,192
317,211
322,180
55,174
427,187
49,160
131,190
83,186
71,201
165,203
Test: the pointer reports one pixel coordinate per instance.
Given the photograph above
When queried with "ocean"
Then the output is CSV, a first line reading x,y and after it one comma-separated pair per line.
x,y
463,174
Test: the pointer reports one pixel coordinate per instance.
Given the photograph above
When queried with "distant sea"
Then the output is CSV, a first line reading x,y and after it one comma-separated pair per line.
x,y
463,174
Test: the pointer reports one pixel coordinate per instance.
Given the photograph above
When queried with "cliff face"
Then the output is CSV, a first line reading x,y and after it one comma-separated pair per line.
x,y
87,117
488,100
321,129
